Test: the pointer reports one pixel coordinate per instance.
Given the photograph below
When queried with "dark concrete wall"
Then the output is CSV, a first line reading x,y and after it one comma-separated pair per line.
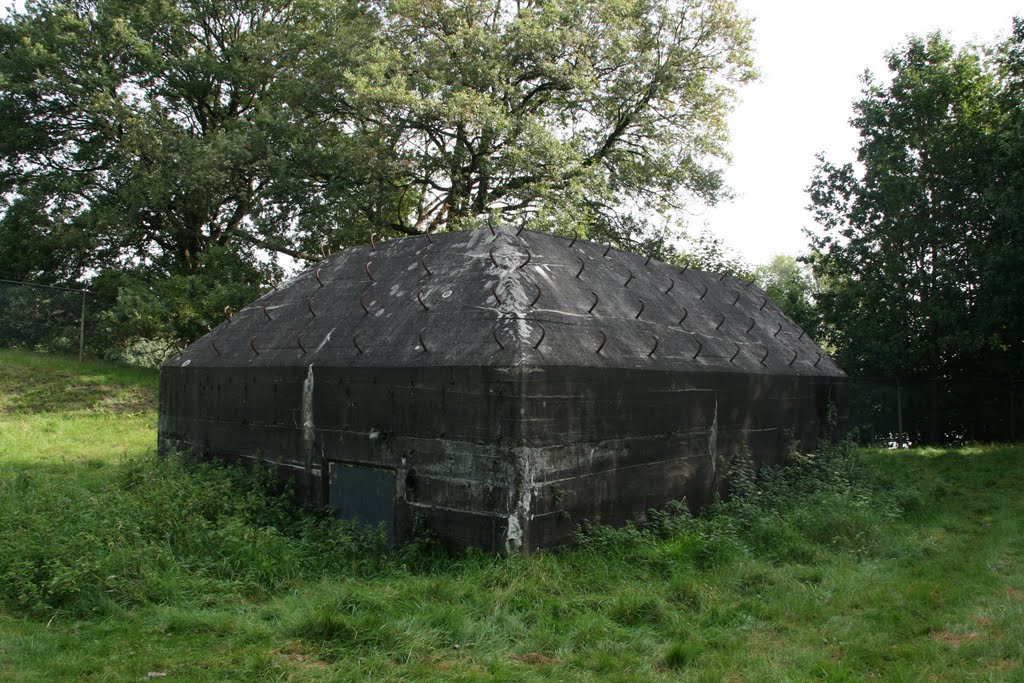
x,y
609,445
502,459
447,434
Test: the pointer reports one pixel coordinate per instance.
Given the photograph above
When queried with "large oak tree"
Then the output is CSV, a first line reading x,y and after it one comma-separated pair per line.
x,y
147,142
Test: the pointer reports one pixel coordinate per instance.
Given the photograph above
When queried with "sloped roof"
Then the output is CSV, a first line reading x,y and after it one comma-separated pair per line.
x,y
510,297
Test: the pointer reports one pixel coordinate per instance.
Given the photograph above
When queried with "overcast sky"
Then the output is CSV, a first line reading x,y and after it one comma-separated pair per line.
x,y
811,54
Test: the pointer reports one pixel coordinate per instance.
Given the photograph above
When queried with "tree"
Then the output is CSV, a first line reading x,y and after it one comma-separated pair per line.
x,y
792,288
139,137
920,240
570,114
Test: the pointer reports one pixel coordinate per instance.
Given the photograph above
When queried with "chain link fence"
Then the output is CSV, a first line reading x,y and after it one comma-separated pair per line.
x,y
51,319
902,412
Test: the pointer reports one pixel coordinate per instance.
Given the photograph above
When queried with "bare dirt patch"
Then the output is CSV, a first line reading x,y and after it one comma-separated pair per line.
x,y
537,658
952,638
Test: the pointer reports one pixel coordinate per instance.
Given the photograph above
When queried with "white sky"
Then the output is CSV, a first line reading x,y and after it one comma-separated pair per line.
x,y
811,54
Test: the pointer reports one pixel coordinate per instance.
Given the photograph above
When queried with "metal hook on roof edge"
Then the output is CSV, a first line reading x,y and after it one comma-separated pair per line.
x,y
543,332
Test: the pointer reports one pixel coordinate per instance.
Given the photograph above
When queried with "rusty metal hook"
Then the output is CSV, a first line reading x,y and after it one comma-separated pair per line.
x,y
575,237
637,316
423,262
543,332
493,260
764,302
228,313
213,343
373,241
419,297
604,340
720,322
355,343
252,345
764,357
366,267
266,312
685,313
309,305
817,361
494,333
629,279
582,266
683,271
426,234
651,353
521,228
795,354
705,291
672,284
494,291
752,323
735,354
722,276
649,257
301,347
700,347
423,344
536,298
607,249
778,330
324,250
737,300
362,302
802,333
316,274
528,257
591,309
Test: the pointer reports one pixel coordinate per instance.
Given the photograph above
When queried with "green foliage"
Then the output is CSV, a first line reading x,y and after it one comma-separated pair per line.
x,y
850,564
920,243
567,114
135,539
792,288
138,139
176,309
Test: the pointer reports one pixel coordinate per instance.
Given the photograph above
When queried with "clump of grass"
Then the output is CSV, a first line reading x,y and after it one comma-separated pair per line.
x,y
682,654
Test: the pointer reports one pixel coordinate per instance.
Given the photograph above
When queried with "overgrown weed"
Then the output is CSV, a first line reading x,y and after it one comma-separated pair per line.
x,y
814,504
159,529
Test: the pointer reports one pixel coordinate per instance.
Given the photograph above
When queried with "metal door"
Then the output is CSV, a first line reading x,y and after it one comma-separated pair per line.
x,y
365,495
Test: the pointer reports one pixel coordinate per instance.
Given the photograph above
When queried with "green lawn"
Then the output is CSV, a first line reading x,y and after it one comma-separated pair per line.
x,y
903,565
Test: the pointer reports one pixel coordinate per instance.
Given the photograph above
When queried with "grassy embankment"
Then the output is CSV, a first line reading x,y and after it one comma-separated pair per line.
x,y
891,565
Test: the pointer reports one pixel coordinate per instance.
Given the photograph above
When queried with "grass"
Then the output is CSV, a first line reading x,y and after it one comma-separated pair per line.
x,y
884,565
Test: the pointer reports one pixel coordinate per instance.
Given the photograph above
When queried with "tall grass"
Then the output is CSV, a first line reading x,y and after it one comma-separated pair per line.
x,y
161,530
845,565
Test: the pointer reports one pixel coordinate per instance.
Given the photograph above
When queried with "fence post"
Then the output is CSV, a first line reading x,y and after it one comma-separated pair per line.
x,y
1013,411
899,410
81,331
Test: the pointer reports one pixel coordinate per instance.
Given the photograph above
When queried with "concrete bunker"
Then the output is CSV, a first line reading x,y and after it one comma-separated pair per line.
x,y
501,384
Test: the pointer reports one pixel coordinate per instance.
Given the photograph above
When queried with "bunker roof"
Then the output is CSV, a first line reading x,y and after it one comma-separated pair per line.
x,y
508,297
